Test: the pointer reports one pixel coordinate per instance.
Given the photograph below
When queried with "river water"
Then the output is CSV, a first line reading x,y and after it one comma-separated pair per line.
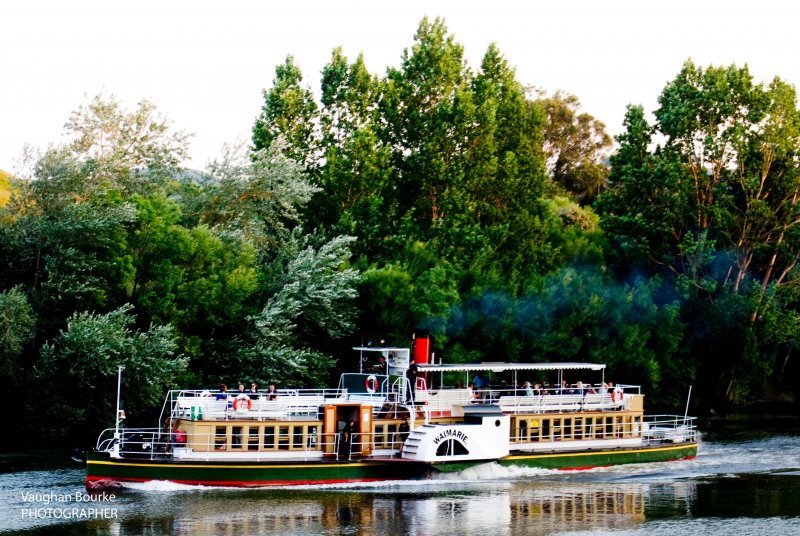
x,y
742,482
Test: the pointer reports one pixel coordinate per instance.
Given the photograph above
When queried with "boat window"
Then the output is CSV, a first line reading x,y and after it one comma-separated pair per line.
x,y
557,430
379,439
252,441
269,437
546,429
578,428
283,438
311,442
452,447
297,440
598,427
220,438
567,428
588,428
236,437
522,435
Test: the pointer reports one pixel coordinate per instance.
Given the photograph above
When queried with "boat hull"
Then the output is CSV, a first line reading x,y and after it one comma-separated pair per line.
x,y
103,472
602,458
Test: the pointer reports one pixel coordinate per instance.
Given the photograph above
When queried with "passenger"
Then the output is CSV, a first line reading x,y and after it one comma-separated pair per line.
x,y
223,392
528,388
579,390
346,437
403,430
253,391
537,389
272,393
380,367
411,374
472,394
564,390
242,390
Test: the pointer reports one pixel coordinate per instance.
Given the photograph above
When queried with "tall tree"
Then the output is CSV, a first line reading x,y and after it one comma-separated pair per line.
x,y
428,109
290,112
577,145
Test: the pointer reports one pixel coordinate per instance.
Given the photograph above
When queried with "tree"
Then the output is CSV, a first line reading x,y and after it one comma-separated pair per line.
x,y
428,107
290,112
78,369
576,145
121,149
260,198
716,209
17,329
355,172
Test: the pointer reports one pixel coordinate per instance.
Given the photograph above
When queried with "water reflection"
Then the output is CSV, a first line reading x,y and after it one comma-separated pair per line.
x,y
501,508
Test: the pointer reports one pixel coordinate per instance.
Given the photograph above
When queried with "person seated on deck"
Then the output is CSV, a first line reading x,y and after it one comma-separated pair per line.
x,y
253,391
528,388
537,389
579,390
272,393
223,392
472,395
380,366
567,389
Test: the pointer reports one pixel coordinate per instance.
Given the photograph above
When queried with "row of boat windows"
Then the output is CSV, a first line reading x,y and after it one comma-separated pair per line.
x,y
306,436
289,437
569,428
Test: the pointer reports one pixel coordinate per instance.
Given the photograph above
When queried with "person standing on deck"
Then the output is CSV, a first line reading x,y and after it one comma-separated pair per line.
x,y
346,437
411,374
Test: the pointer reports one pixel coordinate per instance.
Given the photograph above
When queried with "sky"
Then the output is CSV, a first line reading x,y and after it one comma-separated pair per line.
x,y
205,64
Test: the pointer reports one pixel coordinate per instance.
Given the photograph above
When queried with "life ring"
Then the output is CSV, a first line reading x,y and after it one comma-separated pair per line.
x,y
614,395
243,407
371,384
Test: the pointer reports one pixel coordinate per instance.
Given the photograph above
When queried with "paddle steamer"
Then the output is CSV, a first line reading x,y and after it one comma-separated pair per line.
x,y
210,438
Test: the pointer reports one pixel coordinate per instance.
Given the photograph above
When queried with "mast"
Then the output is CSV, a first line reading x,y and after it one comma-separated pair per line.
x,y
118,416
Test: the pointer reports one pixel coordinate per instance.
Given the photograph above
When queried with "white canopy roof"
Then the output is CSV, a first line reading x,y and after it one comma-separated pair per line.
x,y
501,367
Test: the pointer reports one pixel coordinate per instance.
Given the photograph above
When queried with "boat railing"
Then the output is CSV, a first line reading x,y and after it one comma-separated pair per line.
x,y
589,398
216,405
137,442
669,429
544,402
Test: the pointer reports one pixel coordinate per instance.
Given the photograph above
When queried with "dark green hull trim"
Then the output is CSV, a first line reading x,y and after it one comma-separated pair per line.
x,y
104,472
602,458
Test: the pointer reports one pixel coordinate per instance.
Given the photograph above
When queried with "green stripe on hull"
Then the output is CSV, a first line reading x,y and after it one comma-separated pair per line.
x,y
586,460
100,468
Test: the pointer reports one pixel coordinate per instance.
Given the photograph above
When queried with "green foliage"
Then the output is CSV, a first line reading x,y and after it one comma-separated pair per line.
x,y
313,293
576,146
17,323
289,112
80,367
